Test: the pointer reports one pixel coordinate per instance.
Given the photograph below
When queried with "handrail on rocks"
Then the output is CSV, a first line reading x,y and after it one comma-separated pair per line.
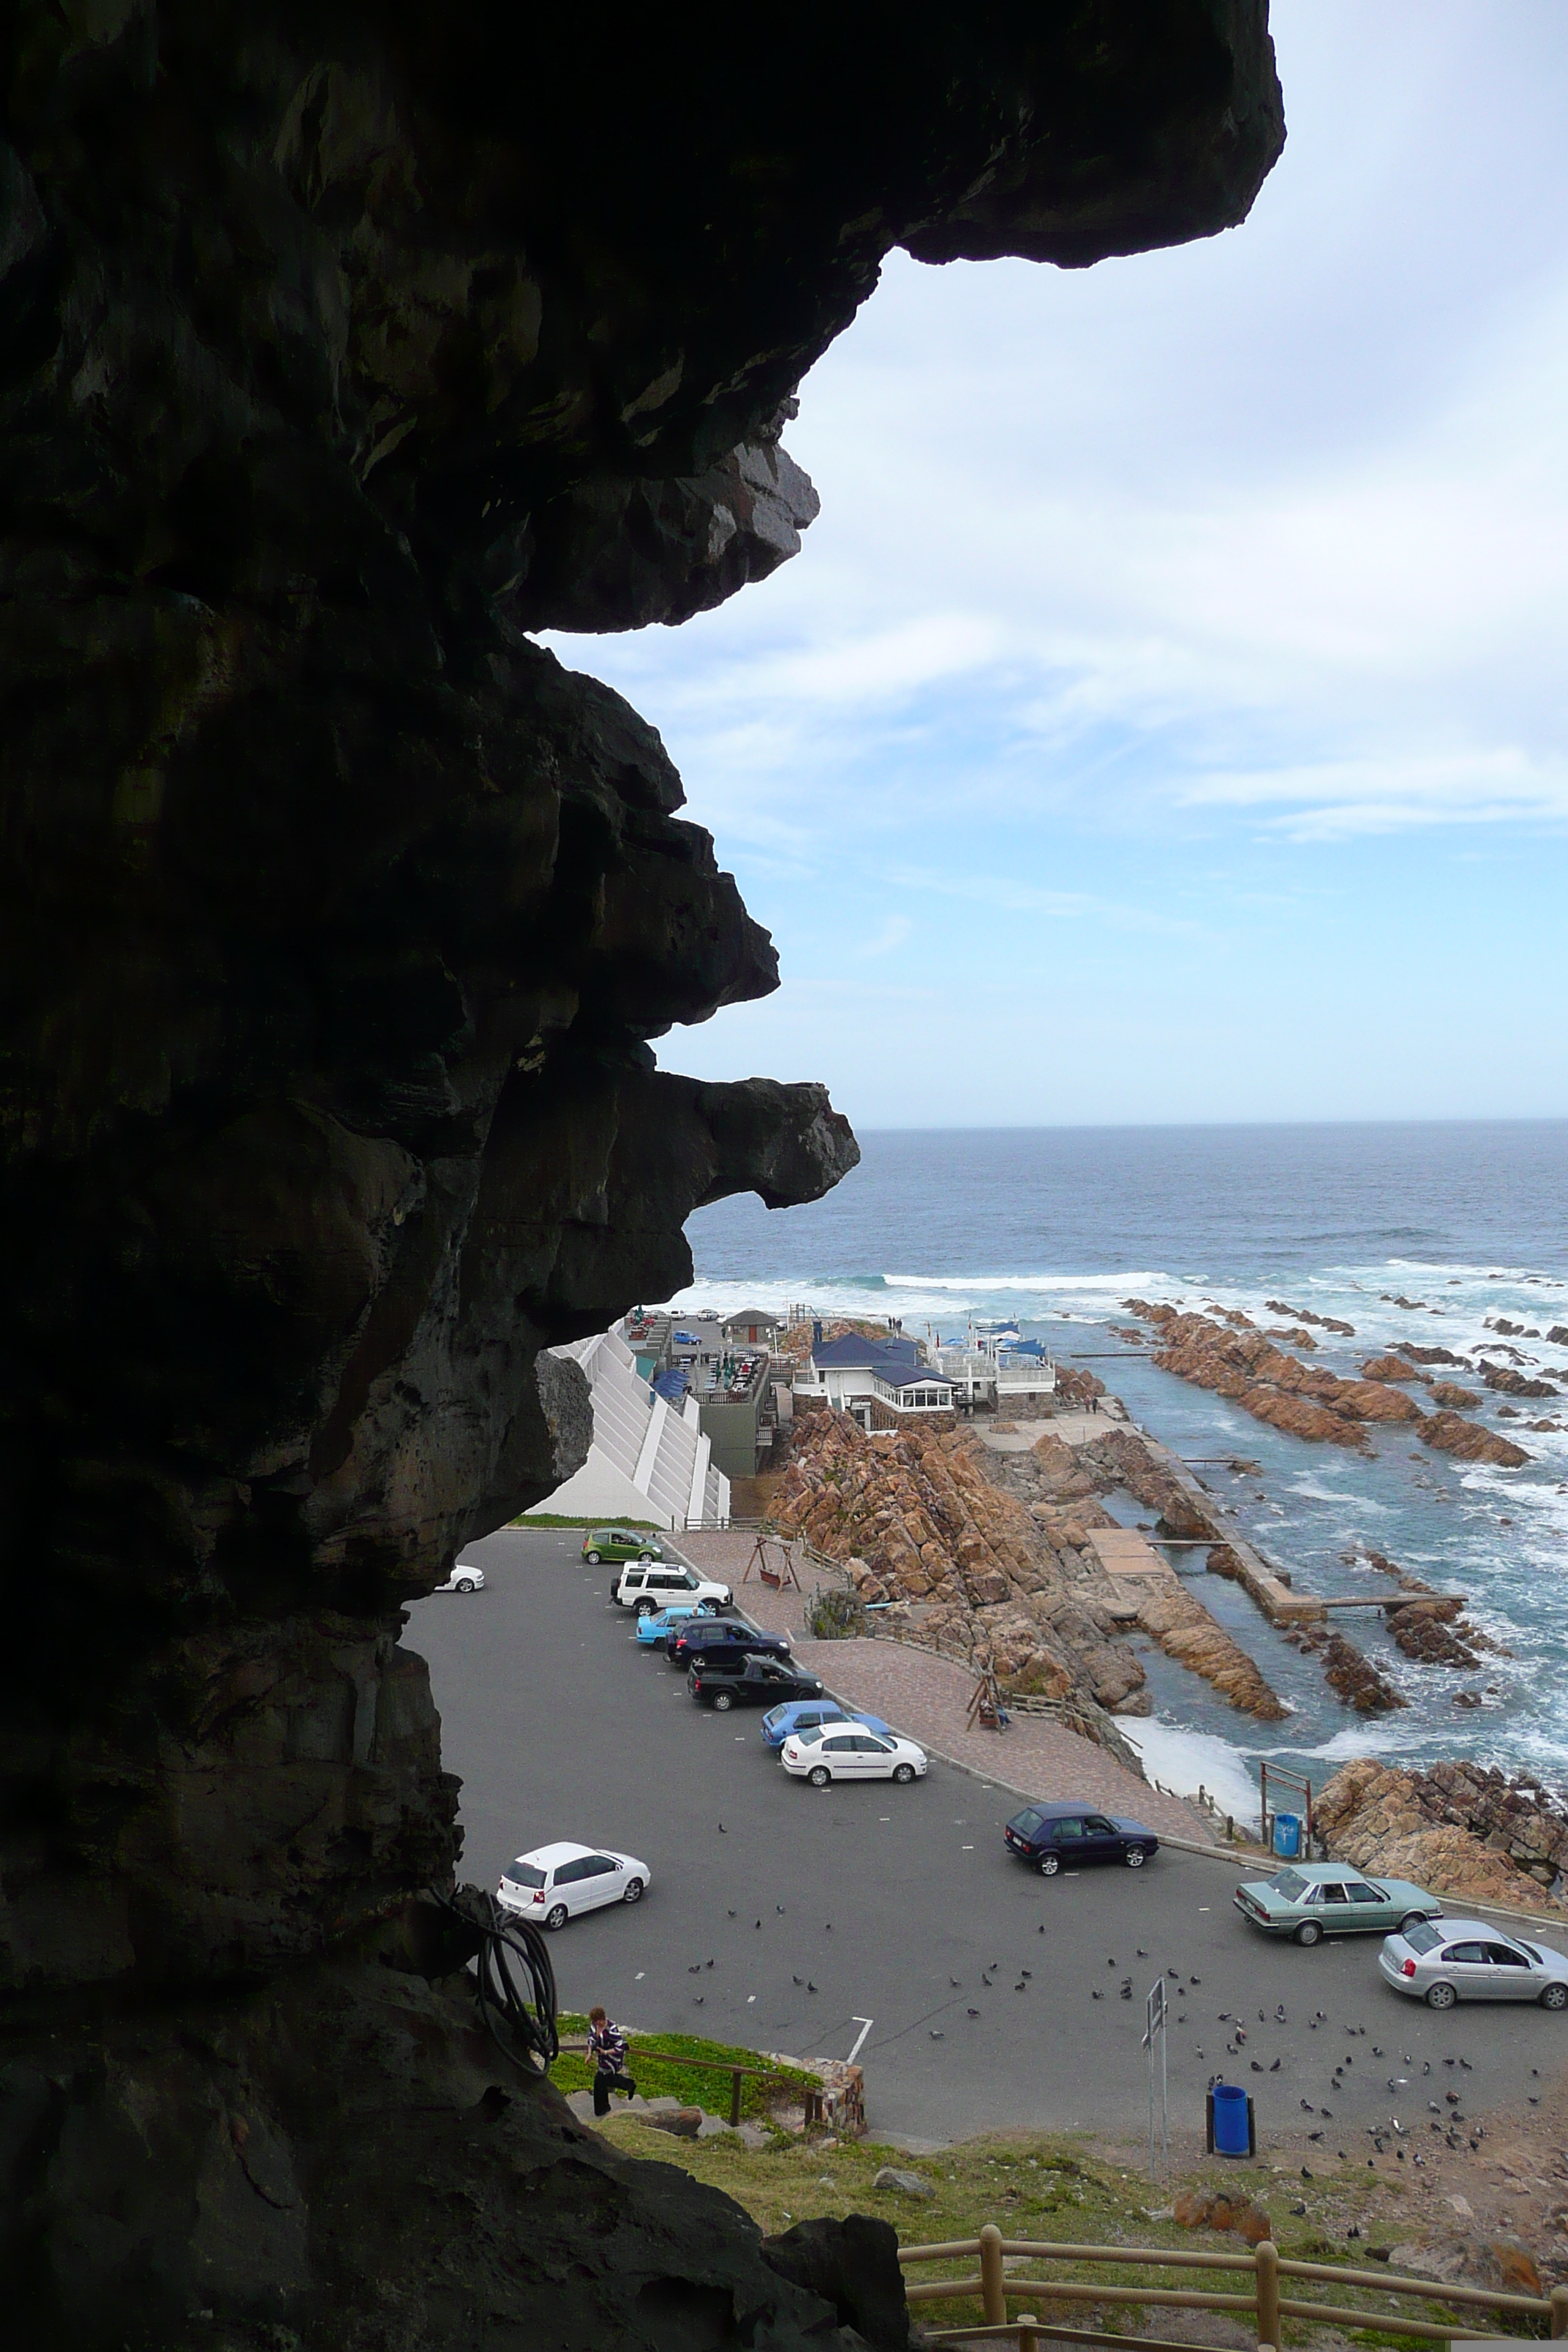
x,y
991,2288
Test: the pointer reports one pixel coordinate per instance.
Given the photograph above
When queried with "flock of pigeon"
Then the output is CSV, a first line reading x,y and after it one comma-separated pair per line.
x,y
1449,2121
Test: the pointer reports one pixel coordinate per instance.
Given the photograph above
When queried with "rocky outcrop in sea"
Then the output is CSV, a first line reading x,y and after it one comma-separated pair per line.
x,y
1233,1359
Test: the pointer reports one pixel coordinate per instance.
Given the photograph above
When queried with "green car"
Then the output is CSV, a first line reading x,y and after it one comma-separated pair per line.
x,y
1310,1900
620,1543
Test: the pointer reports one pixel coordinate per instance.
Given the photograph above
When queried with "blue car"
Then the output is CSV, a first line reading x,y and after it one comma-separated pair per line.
x,y
661,1621
804,1719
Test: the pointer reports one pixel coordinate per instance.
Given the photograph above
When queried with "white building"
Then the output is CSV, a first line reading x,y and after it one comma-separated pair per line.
x,y
649,1459
879,1382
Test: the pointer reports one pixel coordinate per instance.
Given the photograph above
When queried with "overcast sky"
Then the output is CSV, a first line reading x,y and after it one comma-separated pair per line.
x,y
1165,719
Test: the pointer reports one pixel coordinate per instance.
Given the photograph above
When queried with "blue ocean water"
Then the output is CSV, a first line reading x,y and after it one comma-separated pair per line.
x,y
1056,1227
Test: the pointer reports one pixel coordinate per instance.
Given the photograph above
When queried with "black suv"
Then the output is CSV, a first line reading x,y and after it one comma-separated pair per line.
x,y
753,1681
712,1637
1062,1837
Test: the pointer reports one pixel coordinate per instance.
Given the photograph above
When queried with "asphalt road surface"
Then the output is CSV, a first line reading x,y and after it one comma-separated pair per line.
x,y
781,1917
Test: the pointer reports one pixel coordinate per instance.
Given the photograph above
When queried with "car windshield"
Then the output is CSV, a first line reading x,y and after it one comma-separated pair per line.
x,y
523,1873
1290,1883
1027,1822
1423,1938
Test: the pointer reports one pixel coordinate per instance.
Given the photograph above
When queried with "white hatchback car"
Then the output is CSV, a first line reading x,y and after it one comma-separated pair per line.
x,y
853,1754
463,1578
554,1883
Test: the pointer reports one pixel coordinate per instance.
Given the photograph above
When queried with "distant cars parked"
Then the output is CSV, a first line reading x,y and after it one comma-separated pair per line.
x,y
714,1638
463,1579
1051,1838
857,1755
650,1586
759,1682
1464,1959
554,1883
1310,1900
805,1718
621,1543
655,1625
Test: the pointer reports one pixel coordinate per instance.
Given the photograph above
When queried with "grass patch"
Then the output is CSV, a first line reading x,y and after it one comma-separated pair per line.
x,y
554,1519
655,2064
1064,2191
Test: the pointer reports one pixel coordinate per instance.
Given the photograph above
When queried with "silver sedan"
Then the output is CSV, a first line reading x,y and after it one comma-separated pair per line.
x,y
1446,1961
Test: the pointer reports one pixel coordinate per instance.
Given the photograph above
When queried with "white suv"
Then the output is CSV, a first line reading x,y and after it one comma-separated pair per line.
x,y
645,1585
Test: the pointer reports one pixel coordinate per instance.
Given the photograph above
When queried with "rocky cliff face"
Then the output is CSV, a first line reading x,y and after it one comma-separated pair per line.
x,y
337,351
1461,1829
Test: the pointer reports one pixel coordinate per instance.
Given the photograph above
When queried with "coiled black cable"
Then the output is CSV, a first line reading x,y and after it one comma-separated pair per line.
x,y
519,2015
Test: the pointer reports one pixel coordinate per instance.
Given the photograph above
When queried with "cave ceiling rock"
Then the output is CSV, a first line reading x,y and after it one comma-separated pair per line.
x,y
340,350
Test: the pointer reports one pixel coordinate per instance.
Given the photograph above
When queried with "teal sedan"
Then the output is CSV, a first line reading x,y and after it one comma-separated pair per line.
x,y
655,1623
1314,1899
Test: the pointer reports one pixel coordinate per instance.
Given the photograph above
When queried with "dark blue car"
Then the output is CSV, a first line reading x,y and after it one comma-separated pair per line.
x,y
1064,1837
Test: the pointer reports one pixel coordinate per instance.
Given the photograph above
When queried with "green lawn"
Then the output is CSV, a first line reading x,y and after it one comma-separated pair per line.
x,y
654,2065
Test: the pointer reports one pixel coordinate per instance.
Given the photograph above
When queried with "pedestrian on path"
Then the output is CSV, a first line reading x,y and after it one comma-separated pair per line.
x,y
607,2049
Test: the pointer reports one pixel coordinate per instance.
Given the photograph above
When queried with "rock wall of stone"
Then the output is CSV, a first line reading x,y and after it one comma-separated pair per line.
x,y
1464,1829
339,349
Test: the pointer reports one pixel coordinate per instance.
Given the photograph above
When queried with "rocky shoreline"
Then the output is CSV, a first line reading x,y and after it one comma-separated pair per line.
x,y
1231,1357
1461,1829
989,1556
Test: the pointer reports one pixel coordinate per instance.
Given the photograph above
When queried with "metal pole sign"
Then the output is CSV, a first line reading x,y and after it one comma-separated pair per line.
x,y
1154,2041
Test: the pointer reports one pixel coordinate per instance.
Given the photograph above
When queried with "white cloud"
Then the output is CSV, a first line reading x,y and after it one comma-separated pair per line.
x,y
1188,615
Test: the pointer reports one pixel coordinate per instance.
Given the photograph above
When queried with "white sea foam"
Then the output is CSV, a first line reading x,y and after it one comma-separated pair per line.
x,y
1186,1761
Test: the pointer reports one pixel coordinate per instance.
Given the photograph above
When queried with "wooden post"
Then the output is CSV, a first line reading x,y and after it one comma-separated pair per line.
x,y
1027,2340
735,2096
1559,2311
993,2296
1265,2257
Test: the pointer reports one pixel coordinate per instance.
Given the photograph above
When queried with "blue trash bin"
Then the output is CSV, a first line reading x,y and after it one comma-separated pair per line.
x,y
1232,2124
1288,1836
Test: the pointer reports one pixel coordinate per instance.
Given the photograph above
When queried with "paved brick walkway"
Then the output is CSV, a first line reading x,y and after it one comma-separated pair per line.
x,y
926,1697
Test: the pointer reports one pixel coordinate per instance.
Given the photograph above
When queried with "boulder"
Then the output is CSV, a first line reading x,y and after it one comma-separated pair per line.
x,y
1469,1441
902,2184
853,2264
1452,1398
1387,1368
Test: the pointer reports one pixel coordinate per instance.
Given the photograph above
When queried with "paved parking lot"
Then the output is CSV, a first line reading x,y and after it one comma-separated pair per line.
x,y
881,1897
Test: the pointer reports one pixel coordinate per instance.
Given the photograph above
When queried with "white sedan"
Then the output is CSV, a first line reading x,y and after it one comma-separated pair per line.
x,y
852,1754
554,1883
463,1578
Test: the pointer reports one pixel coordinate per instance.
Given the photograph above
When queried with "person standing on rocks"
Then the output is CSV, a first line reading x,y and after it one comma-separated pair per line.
x,y
607,2049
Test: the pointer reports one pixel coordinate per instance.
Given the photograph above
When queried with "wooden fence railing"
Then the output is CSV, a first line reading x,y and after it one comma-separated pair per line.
x,y
994,2289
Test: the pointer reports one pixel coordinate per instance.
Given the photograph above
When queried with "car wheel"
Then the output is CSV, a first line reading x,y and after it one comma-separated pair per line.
x,y
465,1584
557,1916
591,1557
903,1774
1049,1865
819,1776
647,1608
722,1703
1440,1996
1309,1932
1134,1857
647,1555
633,1891
1555,1997
1412,1919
